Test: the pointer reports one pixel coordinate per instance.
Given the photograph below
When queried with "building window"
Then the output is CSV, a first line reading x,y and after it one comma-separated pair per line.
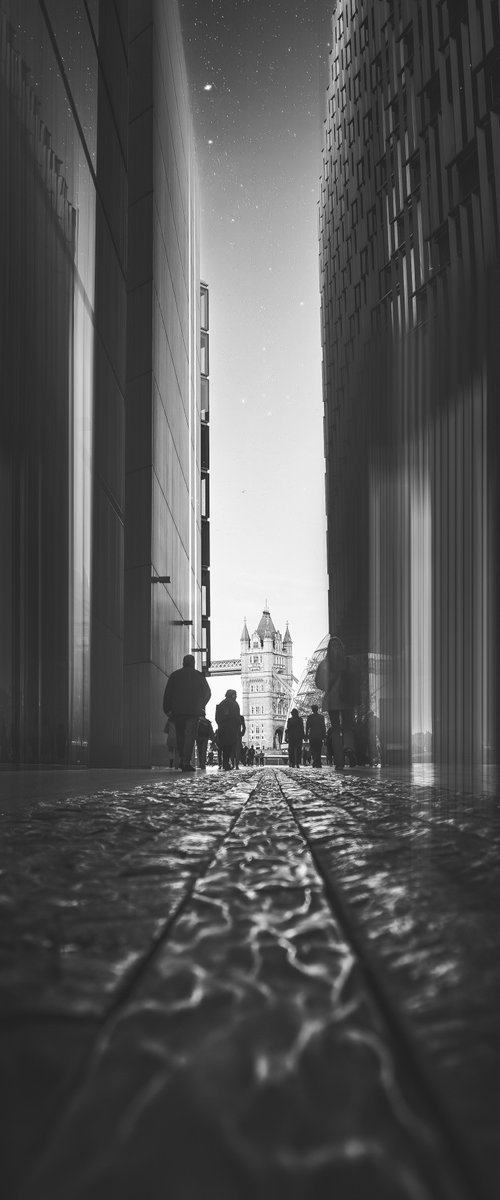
x,y
372,221
376,72
204,353
205,398
204,307
368,126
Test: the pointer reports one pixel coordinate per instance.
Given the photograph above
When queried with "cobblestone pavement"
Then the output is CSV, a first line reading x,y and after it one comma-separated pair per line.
x,y
242,986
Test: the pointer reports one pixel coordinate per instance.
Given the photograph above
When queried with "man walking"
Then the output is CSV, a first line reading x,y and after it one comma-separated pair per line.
x,y
295,736
230,729
186,694
316,732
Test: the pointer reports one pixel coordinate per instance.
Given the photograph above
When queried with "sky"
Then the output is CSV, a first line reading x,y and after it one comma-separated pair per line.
x,y
258,75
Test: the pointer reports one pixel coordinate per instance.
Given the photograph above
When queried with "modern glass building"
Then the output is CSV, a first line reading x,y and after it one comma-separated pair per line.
x,y
409,231
100,473
307,693
205,650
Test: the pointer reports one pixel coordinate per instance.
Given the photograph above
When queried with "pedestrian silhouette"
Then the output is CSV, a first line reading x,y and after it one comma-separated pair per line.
x,y
204,734
173,754
294,736
316,733
339,678
230,728
185,696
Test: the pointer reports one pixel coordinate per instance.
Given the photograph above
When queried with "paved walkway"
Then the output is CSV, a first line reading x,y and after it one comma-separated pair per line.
x,y
249,986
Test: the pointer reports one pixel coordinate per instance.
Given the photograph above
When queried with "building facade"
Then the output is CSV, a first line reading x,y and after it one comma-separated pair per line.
x,y
409,254
205,650
163,442
100,426
266,681
307,693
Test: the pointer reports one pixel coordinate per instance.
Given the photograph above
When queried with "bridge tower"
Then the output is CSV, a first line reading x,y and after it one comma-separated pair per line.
x,y
266,680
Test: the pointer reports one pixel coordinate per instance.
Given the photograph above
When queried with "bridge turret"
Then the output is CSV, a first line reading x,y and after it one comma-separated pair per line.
x,y
268,635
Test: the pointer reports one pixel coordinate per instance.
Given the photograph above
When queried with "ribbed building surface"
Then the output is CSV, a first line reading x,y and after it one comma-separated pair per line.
x,y
409,229
100,415
163,443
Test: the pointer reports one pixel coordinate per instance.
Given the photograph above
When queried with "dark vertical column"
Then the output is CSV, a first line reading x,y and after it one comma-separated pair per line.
x,y
138,568
36,287
492,732
107,622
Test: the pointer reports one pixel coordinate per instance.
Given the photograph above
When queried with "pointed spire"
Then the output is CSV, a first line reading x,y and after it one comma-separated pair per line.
x,y
265,628
287,641
245,636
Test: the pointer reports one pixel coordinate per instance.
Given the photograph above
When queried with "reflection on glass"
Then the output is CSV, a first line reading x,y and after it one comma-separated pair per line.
x,y
420,609
76,47
47,219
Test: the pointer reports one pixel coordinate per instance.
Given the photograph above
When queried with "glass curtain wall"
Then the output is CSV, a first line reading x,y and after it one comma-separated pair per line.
x,y
48,124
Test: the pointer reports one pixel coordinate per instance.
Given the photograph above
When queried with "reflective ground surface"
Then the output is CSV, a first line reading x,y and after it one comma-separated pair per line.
x,y
264,984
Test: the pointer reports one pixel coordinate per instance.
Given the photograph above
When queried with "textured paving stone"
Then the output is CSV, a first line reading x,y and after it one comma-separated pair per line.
x,y
420,871
75,911
183,1011
88,884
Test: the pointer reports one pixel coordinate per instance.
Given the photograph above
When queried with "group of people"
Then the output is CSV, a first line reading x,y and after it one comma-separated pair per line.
x,y
247,756
187,694
184,702
304,745
339,678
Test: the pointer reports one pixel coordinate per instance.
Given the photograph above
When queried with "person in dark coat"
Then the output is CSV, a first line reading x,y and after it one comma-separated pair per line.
x,y
316,732
339,678
294,735
185,697
230,727
204,734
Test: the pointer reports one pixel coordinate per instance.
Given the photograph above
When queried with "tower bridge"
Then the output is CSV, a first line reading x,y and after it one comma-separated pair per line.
x,y
267,679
